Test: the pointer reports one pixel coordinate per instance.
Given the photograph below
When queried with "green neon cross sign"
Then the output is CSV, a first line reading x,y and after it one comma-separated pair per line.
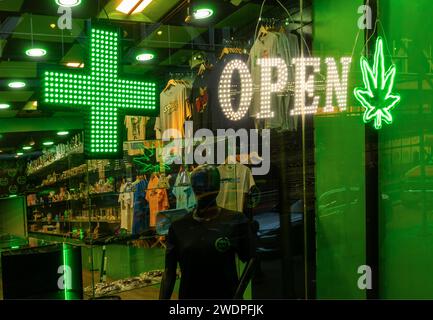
x,y
101,93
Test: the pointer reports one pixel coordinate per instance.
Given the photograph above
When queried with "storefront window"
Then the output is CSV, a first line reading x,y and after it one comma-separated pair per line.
x,y
215,149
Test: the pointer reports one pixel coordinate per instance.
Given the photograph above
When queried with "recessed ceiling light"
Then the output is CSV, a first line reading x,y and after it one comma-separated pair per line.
x,y
68,3
16,84
145,57
27,148
36,52
202,13
48,143
159,32
4,106
62,133
132,6
53,26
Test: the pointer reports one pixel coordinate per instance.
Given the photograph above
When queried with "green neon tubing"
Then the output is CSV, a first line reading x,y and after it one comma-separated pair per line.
x,y
376,96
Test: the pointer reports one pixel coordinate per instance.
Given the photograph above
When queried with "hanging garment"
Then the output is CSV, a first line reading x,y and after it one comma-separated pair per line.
x,y
157,198
273,45
182,190
140,220
126,206
236,182
208,112
174,109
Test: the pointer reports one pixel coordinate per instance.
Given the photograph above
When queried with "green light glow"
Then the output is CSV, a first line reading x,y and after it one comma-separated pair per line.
x,y
62,133
68,3
19,153
101,94
203,13
36,52
27,147
65,270
48,143
4,106
145,57
16,84
376,96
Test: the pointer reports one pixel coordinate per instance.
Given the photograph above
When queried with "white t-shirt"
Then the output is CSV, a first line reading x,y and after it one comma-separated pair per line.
x,y
236,181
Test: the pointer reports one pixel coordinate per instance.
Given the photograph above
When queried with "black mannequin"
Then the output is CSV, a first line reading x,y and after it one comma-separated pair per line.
x,y
205,244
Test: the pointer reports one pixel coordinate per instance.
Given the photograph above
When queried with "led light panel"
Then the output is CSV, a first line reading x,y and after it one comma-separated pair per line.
x,y
101,93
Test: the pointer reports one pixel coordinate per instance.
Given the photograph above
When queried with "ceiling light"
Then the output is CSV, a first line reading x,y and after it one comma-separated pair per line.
x,y
19,153
4,106
159,32
132,6
48,143
75,64
145,57
53,26
1,151
36,52
16,84
68,3
62,133
27,148
203,13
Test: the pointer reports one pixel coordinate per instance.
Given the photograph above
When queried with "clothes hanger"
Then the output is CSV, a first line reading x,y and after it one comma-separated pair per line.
x,y
170,83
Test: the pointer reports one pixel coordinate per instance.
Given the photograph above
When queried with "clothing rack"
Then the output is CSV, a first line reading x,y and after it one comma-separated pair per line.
x,y
179,75
235,43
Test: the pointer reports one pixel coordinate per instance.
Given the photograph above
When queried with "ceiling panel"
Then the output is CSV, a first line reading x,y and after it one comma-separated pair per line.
x,y
37,27
172,37
11,5
151,14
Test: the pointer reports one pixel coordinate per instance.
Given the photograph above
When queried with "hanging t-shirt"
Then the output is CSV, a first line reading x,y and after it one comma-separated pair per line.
x,y
140,219
200,103
211,115
272,45
126,200
236,181
182,190
136,127
157,198
174,109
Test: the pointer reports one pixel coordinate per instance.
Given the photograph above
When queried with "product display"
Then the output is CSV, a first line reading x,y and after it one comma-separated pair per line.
x,y
236,183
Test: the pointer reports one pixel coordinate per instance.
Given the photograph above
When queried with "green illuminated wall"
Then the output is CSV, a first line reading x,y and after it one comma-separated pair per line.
x,y
406,161
339,157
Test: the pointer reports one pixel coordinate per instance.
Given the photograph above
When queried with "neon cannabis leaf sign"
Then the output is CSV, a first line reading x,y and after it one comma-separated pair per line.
x,y
376,96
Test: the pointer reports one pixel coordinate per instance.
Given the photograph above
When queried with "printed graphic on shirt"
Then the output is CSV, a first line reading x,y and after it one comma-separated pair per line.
x,y
222,244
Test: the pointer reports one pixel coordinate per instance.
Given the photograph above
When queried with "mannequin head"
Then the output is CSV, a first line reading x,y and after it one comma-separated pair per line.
x,y
205,182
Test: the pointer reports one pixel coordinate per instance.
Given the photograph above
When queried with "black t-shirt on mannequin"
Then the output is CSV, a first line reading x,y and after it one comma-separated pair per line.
x,y
205,250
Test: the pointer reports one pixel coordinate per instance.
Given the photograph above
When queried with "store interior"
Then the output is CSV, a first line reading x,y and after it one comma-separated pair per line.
x,y
108,107
58,196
